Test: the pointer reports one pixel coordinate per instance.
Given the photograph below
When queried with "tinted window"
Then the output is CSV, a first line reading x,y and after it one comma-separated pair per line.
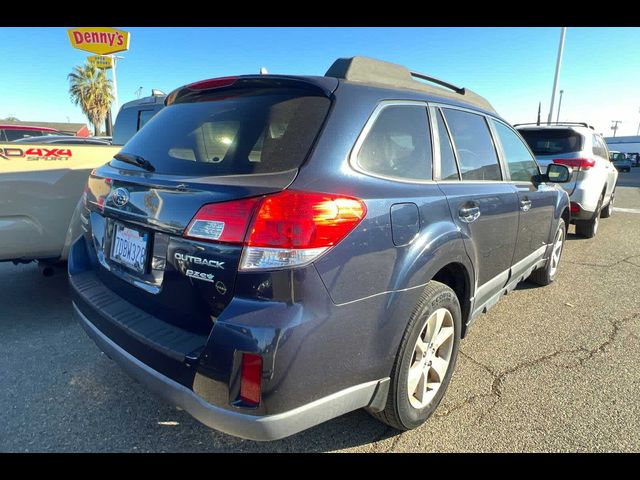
x,y
144,116
125,126
448,167
399,144
16,134
242,132
552,141
521,164
476,154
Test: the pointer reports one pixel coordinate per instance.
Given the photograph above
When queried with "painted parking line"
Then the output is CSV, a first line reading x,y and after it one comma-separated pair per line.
x,y
626,210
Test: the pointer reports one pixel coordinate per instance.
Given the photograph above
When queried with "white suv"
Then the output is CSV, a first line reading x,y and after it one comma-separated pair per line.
x,y
593,183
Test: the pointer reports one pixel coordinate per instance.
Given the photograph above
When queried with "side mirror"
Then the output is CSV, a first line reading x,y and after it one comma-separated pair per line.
x,y
557,173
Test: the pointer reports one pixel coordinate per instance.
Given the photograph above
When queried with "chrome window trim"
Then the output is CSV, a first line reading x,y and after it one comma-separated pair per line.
x,y
353,156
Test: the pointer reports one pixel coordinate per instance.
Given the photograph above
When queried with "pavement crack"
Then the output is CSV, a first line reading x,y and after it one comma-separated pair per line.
x,y
609,265
496,389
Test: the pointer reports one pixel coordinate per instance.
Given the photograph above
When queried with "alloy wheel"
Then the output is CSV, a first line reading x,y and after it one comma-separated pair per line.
x,y
431,358
556,252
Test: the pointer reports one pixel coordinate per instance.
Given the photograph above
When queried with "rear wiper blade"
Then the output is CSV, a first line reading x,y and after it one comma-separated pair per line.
x,y
135,160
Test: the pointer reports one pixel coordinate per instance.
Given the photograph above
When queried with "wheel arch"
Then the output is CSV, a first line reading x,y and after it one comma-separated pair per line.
x,y
457,277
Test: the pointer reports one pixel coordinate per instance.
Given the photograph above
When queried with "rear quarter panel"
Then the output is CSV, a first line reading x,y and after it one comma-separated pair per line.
x,y
40,186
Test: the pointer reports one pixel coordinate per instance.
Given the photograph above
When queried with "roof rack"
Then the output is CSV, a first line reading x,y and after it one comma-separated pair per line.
x,y
460,90
373,71
542,124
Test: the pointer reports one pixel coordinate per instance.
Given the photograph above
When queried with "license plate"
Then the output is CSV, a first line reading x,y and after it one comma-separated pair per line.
x,y
130,247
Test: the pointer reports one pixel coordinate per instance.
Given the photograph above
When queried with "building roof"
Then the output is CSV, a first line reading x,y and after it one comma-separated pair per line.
x,y
623,139
61,126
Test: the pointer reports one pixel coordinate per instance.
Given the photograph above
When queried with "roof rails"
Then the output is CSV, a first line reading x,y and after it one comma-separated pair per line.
x,y
542,124
460,90
372,71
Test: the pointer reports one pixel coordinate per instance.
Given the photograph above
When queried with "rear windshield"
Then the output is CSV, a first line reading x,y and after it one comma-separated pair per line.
x,y
238,132
17,134
552,141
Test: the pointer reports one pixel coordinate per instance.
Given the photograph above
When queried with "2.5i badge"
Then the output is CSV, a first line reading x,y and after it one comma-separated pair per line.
x,y
207,277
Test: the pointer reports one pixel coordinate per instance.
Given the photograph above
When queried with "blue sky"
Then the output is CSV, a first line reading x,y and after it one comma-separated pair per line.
x,y
512,67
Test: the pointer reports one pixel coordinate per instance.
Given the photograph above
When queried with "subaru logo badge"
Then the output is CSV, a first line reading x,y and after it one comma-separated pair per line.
x,y
120,197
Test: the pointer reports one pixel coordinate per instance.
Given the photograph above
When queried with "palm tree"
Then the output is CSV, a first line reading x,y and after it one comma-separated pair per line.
x,y
92,91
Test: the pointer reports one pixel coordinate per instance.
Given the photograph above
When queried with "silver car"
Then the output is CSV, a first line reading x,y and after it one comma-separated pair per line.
x,y
593,183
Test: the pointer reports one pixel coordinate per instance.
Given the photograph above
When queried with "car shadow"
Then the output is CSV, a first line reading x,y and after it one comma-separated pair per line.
x,y
114,412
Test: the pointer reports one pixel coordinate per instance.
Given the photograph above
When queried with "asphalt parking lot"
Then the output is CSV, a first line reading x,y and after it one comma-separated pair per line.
x,y
548,369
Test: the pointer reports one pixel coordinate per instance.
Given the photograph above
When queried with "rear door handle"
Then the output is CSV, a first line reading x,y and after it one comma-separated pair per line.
x,y
469,214
525,205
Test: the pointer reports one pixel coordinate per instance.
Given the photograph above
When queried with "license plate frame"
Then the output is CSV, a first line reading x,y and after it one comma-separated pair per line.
x,y
123,236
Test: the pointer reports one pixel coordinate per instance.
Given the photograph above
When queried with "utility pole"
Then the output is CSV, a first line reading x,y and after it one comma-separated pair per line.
x,y
539,108
638,132
614,127
138,92
557,75
559,105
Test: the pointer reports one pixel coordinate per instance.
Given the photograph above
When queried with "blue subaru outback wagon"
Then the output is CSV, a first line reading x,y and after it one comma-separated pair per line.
x,y
272,251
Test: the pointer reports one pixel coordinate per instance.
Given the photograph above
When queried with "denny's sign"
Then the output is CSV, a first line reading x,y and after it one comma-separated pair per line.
x,y
99,40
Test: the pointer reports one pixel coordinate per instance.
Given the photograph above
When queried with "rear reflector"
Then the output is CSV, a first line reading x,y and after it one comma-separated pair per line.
x,y
289,228
574,207
251,379
580,163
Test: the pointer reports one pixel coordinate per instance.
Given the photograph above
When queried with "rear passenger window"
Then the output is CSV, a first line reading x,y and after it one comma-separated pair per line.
x,y
598,147
144,116
476,153
399,144
521,164
448,167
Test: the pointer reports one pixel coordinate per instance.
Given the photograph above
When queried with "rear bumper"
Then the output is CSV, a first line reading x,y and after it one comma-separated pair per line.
x,y
267,427
587,198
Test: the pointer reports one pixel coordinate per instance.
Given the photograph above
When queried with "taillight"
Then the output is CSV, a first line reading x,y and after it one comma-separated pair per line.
x,y
222,222
251,379
101,187
286,229
574,207
293,228
580,163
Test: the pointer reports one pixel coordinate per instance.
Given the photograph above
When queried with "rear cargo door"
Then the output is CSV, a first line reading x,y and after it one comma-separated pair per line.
x,y
157,246
549,144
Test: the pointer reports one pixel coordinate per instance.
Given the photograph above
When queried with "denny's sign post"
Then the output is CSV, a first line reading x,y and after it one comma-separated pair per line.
x,y
101,41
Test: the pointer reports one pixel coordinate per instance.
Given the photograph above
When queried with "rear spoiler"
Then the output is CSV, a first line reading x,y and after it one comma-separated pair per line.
x,y
316,85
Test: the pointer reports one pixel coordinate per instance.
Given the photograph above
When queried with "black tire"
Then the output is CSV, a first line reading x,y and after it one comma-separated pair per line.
x,y
608,210
398,412
589,228
547,274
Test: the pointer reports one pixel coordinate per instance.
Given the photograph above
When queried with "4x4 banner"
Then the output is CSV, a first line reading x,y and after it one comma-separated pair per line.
x,y
99,40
